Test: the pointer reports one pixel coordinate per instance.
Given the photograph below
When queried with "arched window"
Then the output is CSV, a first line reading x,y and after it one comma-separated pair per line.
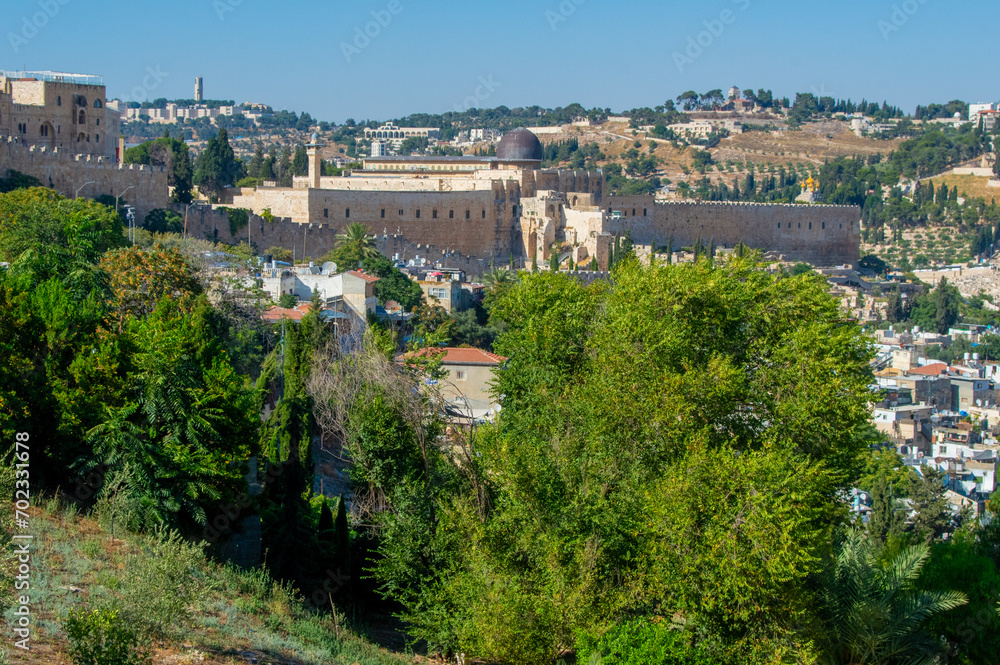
x,y
97,138
59,101
97,104
82,118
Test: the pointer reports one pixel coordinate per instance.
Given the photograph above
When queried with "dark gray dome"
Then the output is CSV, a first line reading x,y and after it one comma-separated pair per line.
x,y
519,145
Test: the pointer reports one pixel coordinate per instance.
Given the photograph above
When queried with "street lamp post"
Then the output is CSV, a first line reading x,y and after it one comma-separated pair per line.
x,y
121,194
77,195
406,248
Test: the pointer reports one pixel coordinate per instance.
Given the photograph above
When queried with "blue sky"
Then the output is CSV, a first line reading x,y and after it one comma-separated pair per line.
x,y
433,56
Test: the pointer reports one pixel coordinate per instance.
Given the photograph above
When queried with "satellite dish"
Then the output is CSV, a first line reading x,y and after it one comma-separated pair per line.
x,y
329,268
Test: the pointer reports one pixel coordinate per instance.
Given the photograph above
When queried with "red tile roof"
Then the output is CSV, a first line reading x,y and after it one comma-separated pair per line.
x,y
279,313
462,356
365,276
936,369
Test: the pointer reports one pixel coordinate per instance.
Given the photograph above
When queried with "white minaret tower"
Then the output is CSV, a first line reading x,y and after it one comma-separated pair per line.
x,y
199,89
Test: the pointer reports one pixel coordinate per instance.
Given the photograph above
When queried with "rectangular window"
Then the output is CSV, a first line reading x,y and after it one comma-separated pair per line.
x,y
484,214
645,212
451,214
383,213
326,212
460,375
468,214
418,213
400,212
434,214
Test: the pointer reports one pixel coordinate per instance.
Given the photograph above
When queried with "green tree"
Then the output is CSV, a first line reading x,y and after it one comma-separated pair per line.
x,y
393,284
173,156
300,162
932,517
703,481
884,520
164,221
353,244
217,166
874,264
874,611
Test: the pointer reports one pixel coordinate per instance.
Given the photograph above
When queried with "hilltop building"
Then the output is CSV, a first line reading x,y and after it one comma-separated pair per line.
x,y
59,110
396,135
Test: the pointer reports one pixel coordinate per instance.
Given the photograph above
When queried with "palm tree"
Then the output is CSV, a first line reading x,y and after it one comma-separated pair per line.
x,y
356,236
499,277
873,610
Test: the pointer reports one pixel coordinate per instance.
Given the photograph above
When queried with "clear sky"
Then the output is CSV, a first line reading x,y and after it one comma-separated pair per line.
x,y
432,56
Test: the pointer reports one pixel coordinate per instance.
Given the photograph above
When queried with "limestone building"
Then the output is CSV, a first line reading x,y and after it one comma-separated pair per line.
x,y
493,209
58,110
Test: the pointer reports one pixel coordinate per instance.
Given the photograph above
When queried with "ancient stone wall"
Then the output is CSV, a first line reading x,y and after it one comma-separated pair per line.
x,y
822,235
475,223
313,241
66,172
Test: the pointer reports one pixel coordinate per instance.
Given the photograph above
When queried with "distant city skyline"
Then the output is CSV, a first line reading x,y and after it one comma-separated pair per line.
x,y
384,59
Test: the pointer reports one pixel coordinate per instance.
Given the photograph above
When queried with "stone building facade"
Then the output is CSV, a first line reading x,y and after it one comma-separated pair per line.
x,y
54,110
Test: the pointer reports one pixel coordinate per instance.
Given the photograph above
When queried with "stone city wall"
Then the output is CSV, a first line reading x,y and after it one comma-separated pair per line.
x,y
822,235
314,241
66,172
475,223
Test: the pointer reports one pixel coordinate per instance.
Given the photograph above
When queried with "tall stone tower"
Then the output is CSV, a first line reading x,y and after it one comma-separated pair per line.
x,y
199,89
315,161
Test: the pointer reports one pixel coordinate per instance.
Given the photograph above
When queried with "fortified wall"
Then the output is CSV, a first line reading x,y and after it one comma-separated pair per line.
x,y
313,241
474,223
822,235
66,173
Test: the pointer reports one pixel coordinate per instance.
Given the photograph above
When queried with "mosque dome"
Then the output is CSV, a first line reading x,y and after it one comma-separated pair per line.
x,y
519,145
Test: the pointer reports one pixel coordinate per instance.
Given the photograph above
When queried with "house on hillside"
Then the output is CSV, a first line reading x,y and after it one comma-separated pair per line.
x,y
465,385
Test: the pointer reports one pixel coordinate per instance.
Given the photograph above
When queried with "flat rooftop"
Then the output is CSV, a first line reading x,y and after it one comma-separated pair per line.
x,y
54,77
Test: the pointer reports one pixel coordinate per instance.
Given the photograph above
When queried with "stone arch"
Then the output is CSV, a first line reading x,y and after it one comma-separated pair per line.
x,y
81,137
551,210
97,103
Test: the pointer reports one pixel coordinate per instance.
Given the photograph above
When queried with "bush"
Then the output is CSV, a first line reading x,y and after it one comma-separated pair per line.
x,y
160,586
103,637
164,221
640,642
